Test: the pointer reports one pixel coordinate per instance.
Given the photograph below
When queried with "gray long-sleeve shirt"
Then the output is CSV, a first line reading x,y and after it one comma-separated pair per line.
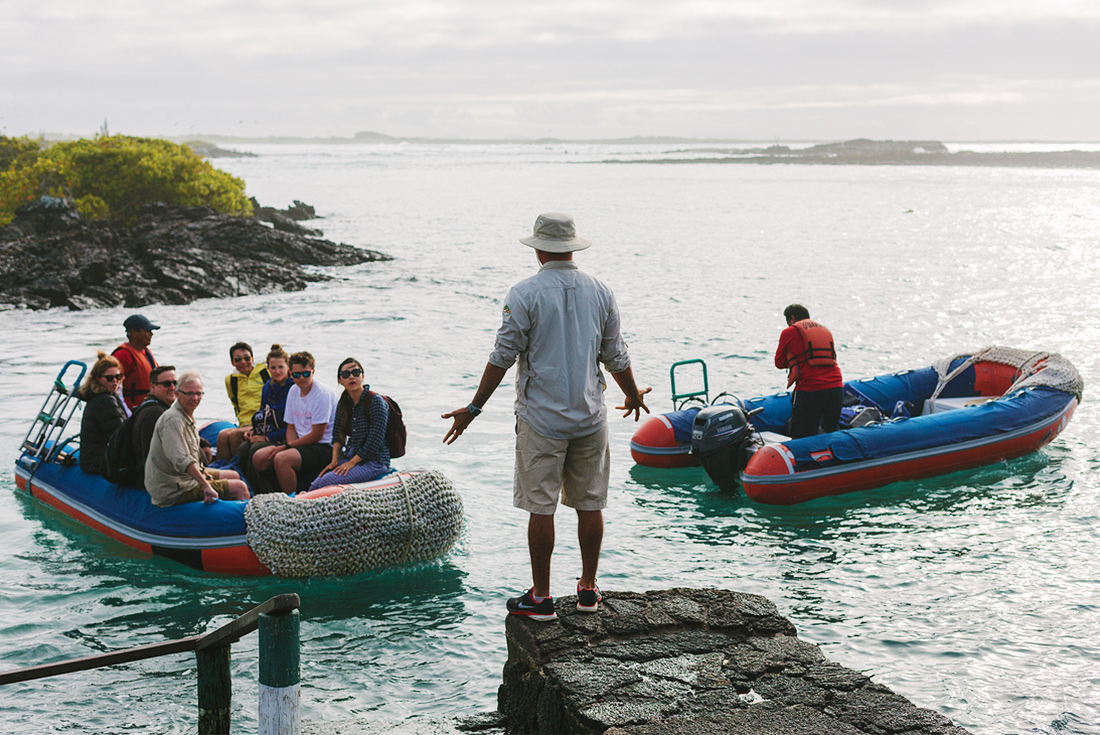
x,y
561,324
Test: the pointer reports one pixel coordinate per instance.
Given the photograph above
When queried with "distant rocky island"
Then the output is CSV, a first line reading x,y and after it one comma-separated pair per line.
x,y
880,153
50,256
861,151
372,138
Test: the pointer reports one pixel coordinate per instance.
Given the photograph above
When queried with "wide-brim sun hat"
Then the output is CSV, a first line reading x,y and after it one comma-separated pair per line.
x,y
555,232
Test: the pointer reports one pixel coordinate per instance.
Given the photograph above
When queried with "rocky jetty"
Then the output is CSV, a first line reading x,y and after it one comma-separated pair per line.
x,y
688,661
286,220
211,150
50,257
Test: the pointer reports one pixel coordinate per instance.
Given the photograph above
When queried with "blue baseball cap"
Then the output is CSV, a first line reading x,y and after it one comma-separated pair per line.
x,y
138,321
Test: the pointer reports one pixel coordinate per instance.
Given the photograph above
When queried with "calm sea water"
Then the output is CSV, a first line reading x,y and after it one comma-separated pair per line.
x,y
973,594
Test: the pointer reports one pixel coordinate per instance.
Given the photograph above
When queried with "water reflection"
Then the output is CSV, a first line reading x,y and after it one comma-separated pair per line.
x,y
1018,483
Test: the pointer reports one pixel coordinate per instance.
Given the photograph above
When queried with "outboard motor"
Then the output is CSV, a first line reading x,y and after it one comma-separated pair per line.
x,y
721,437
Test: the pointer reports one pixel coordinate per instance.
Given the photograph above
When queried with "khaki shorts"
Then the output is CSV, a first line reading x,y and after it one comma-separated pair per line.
x,y
577,470
196,493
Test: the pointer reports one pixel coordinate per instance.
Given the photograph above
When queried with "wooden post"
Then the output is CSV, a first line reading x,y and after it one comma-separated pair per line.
x,y
280,672
215,690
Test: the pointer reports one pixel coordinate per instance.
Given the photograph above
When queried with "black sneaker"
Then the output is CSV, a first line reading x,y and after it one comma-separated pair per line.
x,y
588,601
526,606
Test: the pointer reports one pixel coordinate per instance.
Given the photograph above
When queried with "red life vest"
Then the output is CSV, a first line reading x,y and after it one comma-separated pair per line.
x,y
135,384
818,348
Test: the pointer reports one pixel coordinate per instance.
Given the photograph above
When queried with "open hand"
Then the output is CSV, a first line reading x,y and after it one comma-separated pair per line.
x,y
462,419
635,404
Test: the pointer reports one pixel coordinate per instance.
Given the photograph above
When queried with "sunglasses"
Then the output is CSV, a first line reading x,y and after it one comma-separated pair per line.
x,y
191,393
301,374
167,383
113,377
353,373
242,358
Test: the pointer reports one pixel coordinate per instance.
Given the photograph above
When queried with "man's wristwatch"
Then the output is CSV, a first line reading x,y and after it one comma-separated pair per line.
x,y
473,410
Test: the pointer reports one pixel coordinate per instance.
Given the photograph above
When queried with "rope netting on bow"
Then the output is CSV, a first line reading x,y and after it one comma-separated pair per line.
x,y
1034,369
357,529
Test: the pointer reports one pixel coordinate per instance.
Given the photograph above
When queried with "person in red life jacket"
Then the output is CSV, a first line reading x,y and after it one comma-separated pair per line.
x,y
136,359
807,352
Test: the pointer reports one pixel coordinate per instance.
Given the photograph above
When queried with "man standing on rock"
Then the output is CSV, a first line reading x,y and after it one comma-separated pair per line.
x,y
136,359
560,324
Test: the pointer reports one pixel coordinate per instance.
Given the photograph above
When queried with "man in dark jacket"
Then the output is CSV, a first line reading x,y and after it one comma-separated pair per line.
x,y
162,392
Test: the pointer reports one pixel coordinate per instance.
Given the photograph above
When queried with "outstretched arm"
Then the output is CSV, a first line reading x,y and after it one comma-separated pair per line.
x,y
635,399
490,379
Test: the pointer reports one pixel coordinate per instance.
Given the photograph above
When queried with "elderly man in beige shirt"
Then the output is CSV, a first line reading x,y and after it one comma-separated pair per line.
x,y
174,473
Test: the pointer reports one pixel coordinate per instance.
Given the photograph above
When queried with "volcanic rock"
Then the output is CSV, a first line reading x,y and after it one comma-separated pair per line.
x,y
689,662
173,255
287,219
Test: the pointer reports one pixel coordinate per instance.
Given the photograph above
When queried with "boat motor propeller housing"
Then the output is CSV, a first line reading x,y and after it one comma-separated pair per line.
x,y
721,437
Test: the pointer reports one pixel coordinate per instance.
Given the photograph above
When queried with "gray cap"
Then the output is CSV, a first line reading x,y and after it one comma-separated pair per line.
x,y
138,321
555,233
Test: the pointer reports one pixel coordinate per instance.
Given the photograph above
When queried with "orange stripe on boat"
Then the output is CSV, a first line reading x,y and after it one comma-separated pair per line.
x,y
769,462
72,512
233,560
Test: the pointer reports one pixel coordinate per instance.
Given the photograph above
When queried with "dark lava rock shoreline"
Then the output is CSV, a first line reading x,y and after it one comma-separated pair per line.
x,y
50,257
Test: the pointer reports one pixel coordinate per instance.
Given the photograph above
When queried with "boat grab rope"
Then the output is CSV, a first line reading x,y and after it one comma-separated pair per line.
x,y
357,529
412,523
1034,369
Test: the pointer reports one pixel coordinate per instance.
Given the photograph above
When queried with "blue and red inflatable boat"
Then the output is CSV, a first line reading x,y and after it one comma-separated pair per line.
x,y
334,530
965,411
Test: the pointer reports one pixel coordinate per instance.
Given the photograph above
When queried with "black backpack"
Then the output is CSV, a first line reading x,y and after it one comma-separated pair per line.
x,y
266,421
396,433
122,466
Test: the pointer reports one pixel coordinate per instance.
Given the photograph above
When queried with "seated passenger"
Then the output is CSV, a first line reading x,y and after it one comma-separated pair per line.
x,y
174,473
243,388
310,410
268,425
162,392
359,449
103,413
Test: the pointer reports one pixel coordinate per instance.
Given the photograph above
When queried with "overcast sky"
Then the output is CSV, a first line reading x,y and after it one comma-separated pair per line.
x,y
747,69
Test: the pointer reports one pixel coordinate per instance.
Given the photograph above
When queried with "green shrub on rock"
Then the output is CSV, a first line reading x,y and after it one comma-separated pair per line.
x,y
111,177
17,151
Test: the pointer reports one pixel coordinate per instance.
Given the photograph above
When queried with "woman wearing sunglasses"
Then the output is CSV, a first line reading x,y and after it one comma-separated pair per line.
x,y
102,414
359,450
309,413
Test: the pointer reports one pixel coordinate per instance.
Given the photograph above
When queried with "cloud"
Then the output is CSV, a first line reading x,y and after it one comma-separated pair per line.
x,y
338,66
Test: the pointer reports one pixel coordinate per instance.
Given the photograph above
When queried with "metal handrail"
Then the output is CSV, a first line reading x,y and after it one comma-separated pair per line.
x,y
680,399
212,650
57,410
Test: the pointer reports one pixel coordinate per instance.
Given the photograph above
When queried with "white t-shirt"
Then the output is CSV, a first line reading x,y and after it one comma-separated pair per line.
x,y
319,407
